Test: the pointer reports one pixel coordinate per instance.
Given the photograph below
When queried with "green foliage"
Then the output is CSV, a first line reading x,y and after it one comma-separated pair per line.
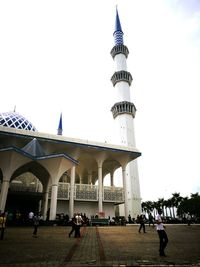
x,y
184,205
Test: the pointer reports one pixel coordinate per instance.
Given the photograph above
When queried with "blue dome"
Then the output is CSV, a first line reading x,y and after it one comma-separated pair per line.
x,y
15,120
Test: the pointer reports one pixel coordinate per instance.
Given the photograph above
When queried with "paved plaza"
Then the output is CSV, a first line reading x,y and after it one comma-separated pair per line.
x,y
99,246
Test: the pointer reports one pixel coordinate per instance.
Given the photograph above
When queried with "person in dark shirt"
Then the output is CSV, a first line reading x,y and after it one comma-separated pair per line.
x,y
73,224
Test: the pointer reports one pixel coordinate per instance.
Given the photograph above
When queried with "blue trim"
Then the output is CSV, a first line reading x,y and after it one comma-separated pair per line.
x,y
73,143
57,156
18,150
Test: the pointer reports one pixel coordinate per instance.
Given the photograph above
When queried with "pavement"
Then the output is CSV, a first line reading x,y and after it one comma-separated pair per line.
x,y
115,246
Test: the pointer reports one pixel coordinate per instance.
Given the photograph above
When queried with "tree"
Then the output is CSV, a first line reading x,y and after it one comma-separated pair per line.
x,y
190,205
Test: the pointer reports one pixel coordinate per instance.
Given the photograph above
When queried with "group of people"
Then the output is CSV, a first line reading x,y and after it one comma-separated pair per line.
x,y
78,220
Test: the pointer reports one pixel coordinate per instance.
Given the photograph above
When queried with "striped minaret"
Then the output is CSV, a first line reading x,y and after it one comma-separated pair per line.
x,y
59,131
124,113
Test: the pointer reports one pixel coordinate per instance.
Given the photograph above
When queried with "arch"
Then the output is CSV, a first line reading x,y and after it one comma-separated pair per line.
x,y
36,169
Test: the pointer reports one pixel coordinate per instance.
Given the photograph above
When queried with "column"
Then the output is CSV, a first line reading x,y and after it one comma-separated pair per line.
x,y
71,196
89,178
125,192
81,179
111,179
100,186
45,204
4,194
53,206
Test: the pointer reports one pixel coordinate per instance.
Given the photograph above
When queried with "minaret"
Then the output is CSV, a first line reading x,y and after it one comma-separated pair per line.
x,y
59,131
124,113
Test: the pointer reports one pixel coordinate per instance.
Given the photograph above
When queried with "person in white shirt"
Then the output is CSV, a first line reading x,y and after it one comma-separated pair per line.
x,y
161,233
79,222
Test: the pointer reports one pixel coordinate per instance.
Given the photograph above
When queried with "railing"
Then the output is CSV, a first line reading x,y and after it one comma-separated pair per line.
x,y
63,191
86,192
20,187
82,192
113,194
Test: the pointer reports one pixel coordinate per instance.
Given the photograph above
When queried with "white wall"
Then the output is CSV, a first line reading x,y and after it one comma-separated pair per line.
x,y
89,208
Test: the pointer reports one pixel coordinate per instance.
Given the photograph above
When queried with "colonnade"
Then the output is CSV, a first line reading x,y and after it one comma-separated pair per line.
x,y
53,183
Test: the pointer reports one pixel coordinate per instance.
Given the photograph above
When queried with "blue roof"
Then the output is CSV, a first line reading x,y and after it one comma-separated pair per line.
x,y
15,120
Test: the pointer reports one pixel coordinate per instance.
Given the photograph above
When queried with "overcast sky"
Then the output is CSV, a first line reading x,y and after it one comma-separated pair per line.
x,y
55,57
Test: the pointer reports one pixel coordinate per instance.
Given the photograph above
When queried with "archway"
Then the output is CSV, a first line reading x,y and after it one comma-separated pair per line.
x,y
25,192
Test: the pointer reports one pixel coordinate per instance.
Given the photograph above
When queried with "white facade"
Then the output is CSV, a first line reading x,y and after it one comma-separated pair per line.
x,y
48,158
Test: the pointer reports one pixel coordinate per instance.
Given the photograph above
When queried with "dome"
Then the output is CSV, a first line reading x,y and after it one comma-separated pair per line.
x,y
15,120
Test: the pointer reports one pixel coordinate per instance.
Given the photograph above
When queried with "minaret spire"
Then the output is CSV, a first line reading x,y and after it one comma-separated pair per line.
x,y
124,113
118,33
59,132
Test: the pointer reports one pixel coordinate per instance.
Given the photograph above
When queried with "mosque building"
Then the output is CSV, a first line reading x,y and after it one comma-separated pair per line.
x,y
55,174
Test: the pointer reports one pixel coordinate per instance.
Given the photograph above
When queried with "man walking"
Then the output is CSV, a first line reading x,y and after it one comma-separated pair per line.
x,y
73,222
36,221
161,233
142,220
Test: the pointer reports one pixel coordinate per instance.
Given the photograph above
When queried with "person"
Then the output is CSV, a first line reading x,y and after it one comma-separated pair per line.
x,y
78,224
73,221
30,217
36,221
142,220
161,233
2,224
189,218
151,220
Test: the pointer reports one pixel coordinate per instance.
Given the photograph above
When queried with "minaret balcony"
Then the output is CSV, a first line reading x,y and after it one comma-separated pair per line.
x,y
119,49
120,76
123,107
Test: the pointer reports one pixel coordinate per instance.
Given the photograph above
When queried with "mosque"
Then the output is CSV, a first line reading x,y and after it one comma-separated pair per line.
x,y
55,174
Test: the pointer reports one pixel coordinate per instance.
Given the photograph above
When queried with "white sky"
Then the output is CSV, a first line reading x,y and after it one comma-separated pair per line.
x,y
55,56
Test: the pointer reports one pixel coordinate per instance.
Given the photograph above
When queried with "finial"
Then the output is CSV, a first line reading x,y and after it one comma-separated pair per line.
x,y
14,109
59,132
118,33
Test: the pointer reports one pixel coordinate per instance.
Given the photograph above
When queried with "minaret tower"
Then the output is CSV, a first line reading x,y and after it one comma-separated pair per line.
x,y
124,113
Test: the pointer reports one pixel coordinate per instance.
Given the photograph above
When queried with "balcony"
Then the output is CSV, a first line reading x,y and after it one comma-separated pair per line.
x,y
82,192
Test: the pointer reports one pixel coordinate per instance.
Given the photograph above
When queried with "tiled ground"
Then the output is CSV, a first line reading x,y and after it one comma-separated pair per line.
x,y
99,246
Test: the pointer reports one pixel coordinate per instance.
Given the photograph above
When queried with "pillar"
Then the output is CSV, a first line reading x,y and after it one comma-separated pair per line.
x,y
53,206
125,192
111,179
45,204
81,179
89,178
71,196
100,187
4,194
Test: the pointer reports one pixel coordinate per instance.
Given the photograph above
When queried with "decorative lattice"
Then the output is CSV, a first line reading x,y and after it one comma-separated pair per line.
x,y
113,194
86,192
63,191
82,192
